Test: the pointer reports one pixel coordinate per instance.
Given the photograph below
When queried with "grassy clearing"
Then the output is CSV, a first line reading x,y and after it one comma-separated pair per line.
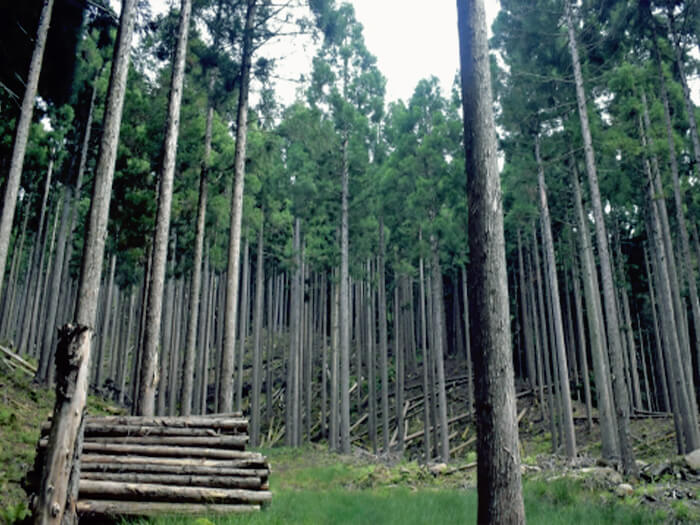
x,y
311,486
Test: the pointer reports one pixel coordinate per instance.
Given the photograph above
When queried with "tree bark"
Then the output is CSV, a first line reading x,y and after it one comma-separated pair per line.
x,y
383,350
22,135
565,394
234,246
68,410
255,413
191,340
622,402
498,470
608,427
145,404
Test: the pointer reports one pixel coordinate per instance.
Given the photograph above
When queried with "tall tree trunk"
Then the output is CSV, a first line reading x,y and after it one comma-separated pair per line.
x,y
684,414
145,403
234,245
582,341
526,323
383,350
22,135
35,270
106,320
596,334
191,341
622,403
467,345
657,336
371,361
498,470
678,304
687,268
344,307
68,410
335,329
565,394
255,414
243,322
426,361
439,349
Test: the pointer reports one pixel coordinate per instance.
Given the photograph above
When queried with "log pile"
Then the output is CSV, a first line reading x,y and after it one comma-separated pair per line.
x,y
140,466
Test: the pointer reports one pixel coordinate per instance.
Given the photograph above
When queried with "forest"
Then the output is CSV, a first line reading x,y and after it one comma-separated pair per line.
x,y
408,278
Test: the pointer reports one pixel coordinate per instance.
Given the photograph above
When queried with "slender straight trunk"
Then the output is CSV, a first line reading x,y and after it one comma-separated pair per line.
x,y
657,336
257,341
106,320
567,420
39,324
582,340
400,364
35,271
142,320
598,341
527,326
57,272
11,295
60,466
22,135
145,403
225,396
294,328
128,350
439,349
689,104
498,469
426,361
687,268
335,327
622,403
268,350
383,344
467,344
371,361
324,355
191,341
684,416
678,304
544,346
167,337
243,322
344,306
632,349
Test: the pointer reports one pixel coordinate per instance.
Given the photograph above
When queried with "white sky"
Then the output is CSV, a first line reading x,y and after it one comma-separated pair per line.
x,y
412,40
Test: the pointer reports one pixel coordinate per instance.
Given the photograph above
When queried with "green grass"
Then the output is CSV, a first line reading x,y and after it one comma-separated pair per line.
x,y
311,486
399,505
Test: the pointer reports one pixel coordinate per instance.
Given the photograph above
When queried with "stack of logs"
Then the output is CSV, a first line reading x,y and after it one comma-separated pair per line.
x,y
140,466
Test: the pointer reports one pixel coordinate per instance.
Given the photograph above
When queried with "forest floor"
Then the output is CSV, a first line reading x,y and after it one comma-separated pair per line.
x,y
311,485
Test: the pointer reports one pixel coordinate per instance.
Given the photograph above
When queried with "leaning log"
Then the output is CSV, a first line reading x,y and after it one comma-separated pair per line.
x,y
152,491
183,480
146,508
